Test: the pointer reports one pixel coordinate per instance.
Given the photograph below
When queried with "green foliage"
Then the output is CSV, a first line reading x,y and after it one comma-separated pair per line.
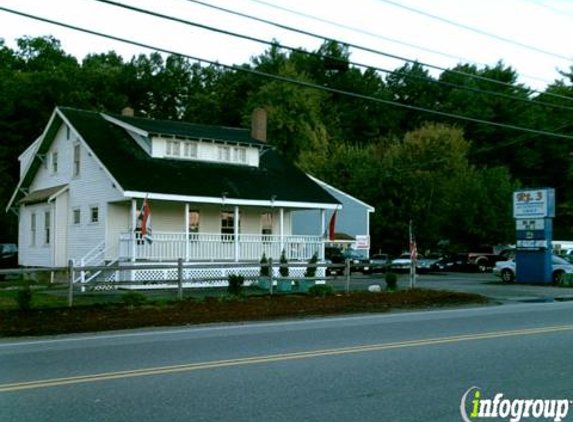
x,y
283,265
321,290
265,267
133,298
311,267
391,281
235,286
24,298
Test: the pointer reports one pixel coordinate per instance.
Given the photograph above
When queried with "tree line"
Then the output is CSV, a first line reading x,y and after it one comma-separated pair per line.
x,y
452,178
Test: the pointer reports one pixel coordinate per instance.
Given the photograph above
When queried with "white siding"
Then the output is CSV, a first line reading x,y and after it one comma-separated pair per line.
x,y
92,187
37,253
118,222
61,231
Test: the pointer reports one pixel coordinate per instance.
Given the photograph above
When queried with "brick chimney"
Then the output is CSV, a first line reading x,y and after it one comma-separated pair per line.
x,y
127,111
259,124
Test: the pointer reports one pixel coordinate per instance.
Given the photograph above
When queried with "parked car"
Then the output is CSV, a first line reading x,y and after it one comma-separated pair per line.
x,y
506,270
431,263
380,263
8,255
358,262
402,263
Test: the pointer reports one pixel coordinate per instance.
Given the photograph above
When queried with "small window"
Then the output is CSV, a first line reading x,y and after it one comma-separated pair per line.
x,y
55,162
240,155
77,156
67,132
173,148
266,226
228,225
94,215
47,227
190,150
76,216
194,221
33,229
224,153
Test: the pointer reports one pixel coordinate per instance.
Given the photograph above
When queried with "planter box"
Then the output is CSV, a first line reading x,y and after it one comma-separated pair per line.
x,y
284,285
304,285
264,283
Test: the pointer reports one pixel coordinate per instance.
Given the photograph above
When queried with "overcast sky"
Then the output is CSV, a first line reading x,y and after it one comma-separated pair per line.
x,y
533,36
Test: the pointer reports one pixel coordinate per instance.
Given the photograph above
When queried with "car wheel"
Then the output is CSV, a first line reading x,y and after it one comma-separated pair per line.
x,y
507,276
557,276
482,265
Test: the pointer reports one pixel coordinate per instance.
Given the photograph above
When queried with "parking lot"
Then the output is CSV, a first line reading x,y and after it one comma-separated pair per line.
x,y
485,284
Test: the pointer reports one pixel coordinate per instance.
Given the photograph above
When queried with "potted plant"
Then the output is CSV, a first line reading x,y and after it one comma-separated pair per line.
x,y
284,284
304,284
264,281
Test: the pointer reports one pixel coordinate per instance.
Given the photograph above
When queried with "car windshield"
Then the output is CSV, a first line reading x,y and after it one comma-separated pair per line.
x,y
351,253
559,261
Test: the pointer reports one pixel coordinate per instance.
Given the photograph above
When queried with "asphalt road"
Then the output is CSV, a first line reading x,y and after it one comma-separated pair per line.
x,y
413,366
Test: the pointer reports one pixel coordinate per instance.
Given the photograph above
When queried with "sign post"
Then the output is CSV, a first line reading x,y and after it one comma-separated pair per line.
x,y
534,210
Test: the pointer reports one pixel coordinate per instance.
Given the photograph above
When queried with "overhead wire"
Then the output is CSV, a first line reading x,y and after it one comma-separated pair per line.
x,y
475,30
287,79
370,50
322,56
375,35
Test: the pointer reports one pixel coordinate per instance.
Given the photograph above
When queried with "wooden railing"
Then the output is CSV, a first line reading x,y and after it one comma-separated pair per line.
x,y
215,247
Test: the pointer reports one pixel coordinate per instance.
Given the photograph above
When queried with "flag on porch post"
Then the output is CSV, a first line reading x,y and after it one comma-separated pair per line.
x,y
145,222
331,226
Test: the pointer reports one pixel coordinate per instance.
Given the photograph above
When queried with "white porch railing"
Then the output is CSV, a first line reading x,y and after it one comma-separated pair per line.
x,y
215,246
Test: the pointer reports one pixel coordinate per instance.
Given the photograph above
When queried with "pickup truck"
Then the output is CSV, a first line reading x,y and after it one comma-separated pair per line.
x,y
480,261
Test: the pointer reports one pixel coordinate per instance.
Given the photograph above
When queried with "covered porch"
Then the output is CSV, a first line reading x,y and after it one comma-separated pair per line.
x,y
222,231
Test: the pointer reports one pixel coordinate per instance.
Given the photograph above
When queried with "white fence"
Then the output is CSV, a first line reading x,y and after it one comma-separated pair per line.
x,y
217,247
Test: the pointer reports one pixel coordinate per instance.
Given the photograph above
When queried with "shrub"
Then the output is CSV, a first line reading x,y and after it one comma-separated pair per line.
x,y
311,268
265,268
391,281
283,267
133,298
235,284
321,290
24,298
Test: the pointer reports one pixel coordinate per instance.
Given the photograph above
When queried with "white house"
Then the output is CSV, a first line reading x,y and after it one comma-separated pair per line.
x,y
352,228
216,194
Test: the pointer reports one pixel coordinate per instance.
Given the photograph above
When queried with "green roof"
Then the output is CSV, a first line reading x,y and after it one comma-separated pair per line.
x,y
135,170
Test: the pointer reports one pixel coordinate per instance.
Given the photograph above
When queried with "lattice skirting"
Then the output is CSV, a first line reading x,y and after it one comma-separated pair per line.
x,y
197,277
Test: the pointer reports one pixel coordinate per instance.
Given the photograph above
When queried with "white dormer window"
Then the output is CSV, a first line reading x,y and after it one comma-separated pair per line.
x,y
224,153
190,150
173,149
239,155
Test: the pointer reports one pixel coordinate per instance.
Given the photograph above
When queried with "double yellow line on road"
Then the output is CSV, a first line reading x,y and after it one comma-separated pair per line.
x,y
162,370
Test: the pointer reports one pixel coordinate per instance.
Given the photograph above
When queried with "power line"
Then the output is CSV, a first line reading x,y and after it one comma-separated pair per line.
x,y
366,49
476,30
287,79
372,34
322,56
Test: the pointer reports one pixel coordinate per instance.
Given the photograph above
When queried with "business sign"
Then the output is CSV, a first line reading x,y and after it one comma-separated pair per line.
x,y
362,242
534,203
530,224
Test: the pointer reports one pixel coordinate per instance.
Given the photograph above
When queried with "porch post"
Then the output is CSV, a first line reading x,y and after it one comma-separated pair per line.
x,y
282,229
186,231
236,231
322,231
133,227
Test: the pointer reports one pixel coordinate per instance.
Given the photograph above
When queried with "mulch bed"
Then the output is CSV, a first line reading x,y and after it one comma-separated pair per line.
x,y
114,317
